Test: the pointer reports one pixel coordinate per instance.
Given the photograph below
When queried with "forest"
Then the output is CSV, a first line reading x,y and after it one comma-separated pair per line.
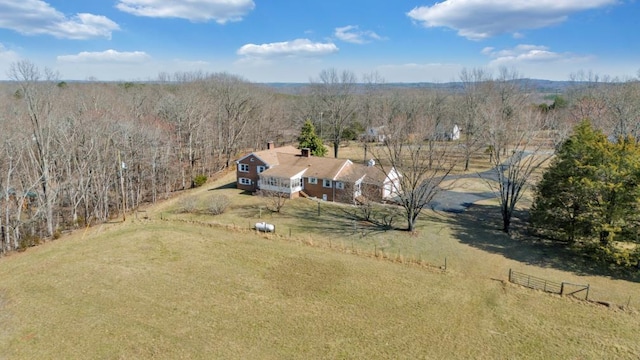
x,y
75,154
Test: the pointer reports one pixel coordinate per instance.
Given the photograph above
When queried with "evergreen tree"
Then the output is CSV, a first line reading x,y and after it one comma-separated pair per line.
x,y
591,189
561,204
618,192
309,139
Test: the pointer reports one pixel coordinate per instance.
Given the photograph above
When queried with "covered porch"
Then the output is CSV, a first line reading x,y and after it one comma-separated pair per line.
x,y
281,185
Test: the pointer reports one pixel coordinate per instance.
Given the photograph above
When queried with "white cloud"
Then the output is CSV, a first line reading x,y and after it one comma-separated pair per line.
x,y
529,54
480,19
36,17
108,56
352,34
221,11
7,57
295,48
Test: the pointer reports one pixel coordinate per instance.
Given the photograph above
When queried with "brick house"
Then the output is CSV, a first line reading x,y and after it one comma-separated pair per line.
x,y
293,171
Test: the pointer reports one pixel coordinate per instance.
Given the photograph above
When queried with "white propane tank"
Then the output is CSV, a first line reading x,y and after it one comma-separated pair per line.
x,y
263,226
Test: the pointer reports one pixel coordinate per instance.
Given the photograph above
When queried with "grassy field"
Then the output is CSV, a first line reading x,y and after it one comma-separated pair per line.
x,y
477,162
158,286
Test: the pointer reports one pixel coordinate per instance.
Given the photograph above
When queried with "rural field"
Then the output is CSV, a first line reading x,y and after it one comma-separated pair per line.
x,y
166,284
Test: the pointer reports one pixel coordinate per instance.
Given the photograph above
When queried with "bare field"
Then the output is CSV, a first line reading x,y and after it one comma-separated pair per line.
x,y
158,287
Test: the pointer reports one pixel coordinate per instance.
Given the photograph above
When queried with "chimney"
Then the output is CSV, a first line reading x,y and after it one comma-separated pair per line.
x,y
306,152
270,145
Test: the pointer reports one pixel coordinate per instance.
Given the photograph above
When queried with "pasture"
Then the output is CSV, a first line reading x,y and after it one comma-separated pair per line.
x,y
166,285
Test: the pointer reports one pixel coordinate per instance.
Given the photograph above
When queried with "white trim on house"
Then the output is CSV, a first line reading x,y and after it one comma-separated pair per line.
x,y
250,154
243,167
348,162
287,186
244,181
312,180
339,185
327,183
261,168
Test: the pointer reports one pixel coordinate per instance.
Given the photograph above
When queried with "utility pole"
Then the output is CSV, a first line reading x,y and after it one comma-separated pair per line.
x,y
121,167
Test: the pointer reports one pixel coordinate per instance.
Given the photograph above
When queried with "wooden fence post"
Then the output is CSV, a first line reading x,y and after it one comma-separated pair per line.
x,y
587,296
562,288
510,276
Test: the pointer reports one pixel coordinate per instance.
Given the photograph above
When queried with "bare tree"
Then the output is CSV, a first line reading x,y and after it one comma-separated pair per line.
x,y
435,118
275,199
513,174
368,105
183,108
36,93
473,124
421,169
622,99
236,108
335,93
586,98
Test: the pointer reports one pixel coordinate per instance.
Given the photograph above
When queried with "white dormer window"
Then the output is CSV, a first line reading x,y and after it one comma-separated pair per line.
x,y
326,183
243,167
313,181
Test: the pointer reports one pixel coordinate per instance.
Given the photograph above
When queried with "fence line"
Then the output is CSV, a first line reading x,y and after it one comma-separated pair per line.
x,y
560,288
308,241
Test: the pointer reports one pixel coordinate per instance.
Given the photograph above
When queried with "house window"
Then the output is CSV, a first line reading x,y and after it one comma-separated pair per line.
x,y
260,169
244,181
313,180
243,167
326,183
340,185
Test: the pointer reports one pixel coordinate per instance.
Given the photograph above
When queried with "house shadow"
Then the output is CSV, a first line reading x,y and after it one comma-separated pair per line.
x,y
230,185
480,226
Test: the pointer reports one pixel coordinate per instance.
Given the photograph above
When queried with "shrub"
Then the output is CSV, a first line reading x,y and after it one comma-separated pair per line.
x,y
187,204
199,180
218,204
28,240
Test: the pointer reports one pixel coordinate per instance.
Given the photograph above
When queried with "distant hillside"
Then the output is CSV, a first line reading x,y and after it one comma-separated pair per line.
x,y
537,85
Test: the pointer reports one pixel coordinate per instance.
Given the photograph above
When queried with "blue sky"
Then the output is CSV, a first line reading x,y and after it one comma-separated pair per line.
x,y
292,41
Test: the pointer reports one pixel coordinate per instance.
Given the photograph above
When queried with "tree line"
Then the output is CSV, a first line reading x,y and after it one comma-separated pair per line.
x,y
79,153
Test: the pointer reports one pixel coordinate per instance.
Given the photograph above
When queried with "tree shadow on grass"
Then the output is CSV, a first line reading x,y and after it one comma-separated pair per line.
x,y
480,226
335,219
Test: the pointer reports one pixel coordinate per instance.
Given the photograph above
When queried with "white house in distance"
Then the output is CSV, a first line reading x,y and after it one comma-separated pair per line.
x,y
455,133
445,135
375,134
379,134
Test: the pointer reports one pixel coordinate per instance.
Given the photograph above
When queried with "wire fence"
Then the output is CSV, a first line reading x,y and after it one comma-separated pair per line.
x,y
560,288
